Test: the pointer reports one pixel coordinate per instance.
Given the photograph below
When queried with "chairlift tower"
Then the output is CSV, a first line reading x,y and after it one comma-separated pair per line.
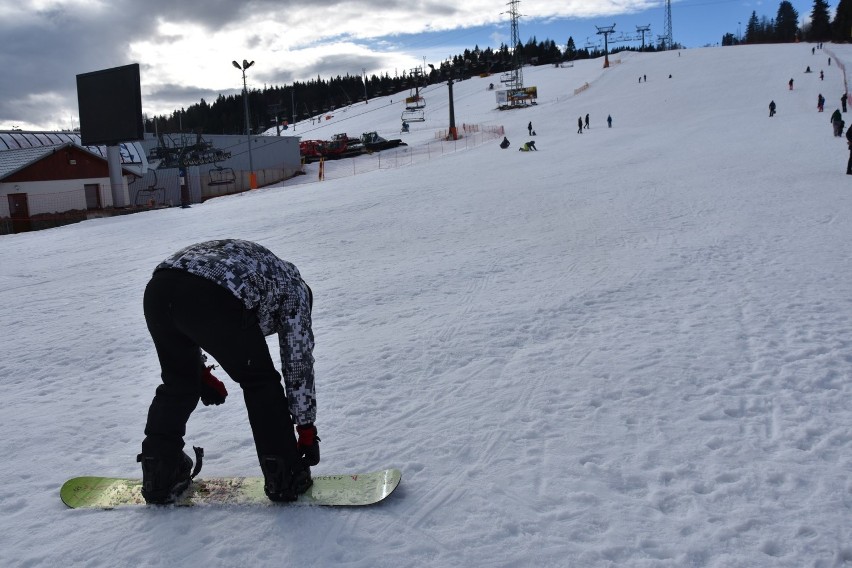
x,y
514,79
605,31
642,30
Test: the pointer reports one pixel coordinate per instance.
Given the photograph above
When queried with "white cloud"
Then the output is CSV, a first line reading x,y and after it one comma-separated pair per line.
x,y
185,48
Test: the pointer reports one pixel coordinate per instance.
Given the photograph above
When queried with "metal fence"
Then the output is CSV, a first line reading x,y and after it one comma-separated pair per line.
x,y
469,136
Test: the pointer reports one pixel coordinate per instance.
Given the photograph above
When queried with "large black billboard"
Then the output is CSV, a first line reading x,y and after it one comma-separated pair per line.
x,y
110,104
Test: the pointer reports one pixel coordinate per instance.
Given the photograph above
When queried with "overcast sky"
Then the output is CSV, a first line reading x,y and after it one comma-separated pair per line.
x,y
185,47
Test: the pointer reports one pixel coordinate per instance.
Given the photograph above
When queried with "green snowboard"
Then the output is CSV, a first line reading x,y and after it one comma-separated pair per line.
x,y
328,490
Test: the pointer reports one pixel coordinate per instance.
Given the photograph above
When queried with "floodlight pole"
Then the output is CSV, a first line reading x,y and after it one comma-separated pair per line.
x,y
243,67
364,71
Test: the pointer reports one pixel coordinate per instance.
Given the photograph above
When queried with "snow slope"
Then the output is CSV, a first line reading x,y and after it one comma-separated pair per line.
x,y
630,348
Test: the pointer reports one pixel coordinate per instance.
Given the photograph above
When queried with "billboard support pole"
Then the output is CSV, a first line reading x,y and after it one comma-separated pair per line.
x,y
120,191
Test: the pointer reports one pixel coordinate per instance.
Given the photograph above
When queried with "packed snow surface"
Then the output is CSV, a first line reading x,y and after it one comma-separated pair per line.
x,y
632,347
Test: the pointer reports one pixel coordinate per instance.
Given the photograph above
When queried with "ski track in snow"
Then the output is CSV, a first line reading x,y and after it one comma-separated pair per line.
x,y
631,348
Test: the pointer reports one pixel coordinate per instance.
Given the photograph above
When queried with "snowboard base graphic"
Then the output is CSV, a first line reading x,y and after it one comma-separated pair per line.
x,y
345,490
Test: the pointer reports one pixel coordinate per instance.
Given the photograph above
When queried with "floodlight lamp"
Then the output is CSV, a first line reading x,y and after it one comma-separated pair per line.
x,y
235,64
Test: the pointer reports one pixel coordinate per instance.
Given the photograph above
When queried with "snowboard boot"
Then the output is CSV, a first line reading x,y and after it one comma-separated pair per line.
x,y
281,482
163,479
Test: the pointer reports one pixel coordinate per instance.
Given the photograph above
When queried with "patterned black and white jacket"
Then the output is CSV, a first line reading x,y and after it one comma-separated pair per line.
x,y
275,291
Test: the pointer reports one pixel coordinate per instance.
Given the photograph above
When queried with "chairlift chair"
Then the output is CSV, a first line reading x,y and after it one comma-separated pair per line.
x,y
151,191
415,102
413,115
221,176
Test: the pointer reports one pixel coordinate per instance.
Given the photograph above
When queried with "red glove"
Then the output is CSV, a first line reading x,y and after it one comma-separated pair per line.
x,y
308,444
213,391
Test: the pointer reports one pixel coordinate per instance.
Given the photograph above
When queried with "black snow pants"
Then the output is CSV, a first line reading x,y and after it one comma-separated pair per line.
x,y
186,313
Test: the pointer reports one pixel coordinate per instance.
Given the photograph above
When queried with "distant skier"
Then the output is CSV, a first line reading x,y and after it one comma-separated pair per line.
x,y
791,84
505,143
843,101
771,109
529,128
609,121
587,120
820,102
580,125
